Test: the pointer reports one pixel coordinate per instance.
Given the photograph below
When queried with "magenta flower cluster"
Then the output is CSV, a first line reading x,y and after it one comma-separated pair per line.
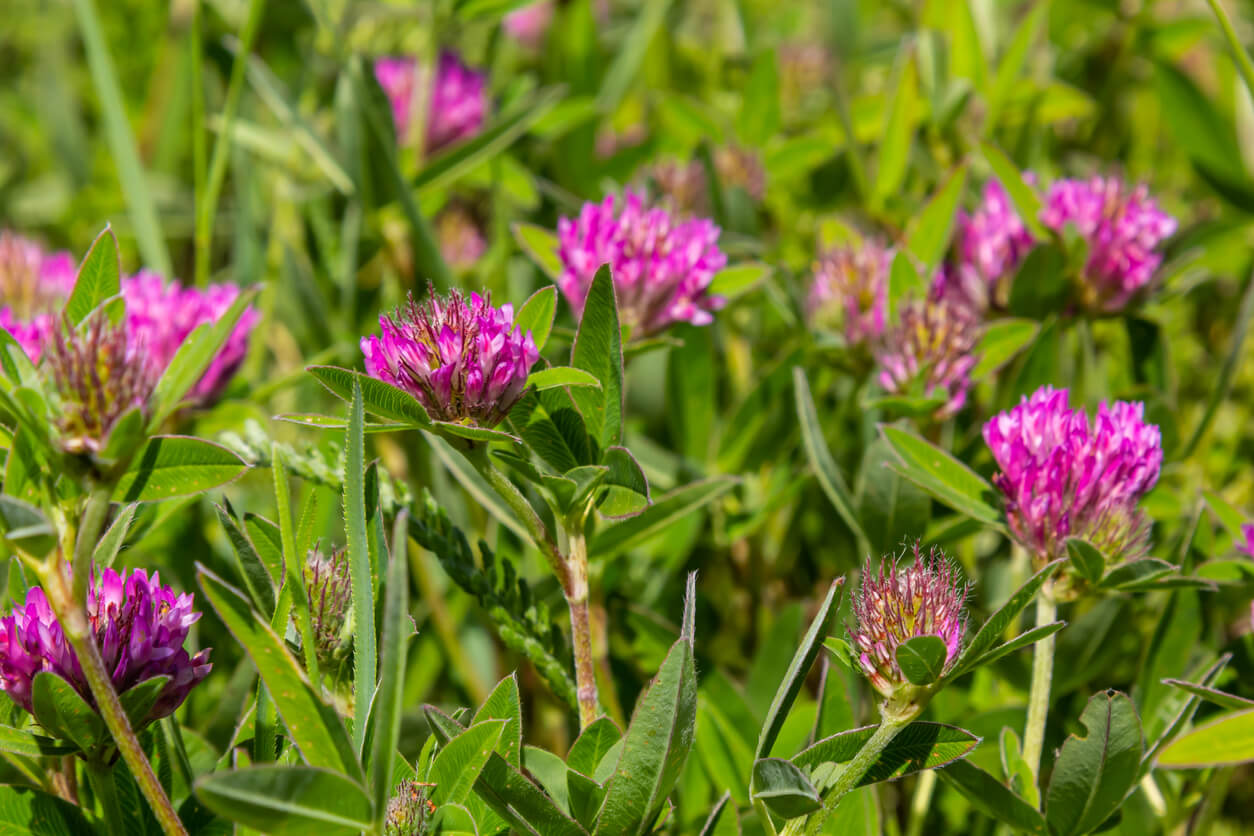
x,y
899,603
529,24
850,291
457,99
1062,476
930,352
138,624
662,268
1121,225
463,359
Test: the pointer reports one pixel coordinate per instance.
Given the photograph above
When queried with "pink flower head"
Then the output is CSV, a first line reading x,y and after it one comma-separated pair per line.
x,y
465,360
850,291
1123,228
930,352
900,603
661,268
1064,477
34,284
1247,531
528,24
461,241
161,316
990,244
139,627
457,105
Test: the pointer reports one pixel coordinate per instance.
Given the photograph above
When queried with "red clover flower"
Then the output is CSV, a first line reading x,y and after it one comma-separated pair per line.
x,y
457,105
930,352
850,291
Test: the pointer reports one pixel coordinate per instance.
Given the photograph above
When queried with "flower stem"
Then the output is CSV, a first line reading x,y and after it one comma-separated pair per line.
x,y
581,628
478,456
1042,679
100,777
73,618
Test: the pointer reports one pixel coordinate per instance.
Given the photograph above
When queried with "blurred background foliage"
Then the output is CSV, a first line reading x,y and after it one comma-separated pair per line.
x,y
847,116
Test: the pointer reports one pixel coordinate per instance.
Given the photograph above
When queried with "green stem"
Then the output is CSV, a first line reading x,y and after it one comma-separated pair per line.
x,y
100,777
848,780
1042,680
73,619
1213,801
581,627
921,802
1239,54
207,203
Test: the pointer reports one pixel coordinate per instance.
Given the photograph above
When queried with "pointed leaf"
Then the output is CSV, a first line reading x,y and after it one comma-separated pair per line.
x,y
998,622
920,745
993,798
784,788
362,578
1088,561
63,712
1224,741
556,376
385,714
169,466
922,659
504,704
620,536
598,349
592,745
929,236
943,476
459,762
378,398
821,461
287,800
98,278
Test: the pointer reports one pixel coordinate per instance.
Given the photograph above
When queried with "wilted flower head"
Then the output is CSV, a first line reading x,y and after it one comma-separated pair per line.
x,y
464,359
661,268
461,242
529,24
850,291
329,588
899,603
457,98
99,372
138,624
409,812
1122,226
1062,477
930,352
990,244
162,315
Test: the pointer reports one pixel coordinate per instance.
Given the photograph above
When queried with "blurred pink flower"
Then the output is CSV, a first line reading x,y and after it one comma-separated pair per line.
x,y
529,24
930,351
850,291
458,99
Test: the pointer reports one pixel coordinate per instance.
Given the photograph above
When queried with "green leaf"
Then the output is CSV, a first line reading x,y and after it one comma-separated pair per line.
x,y
1088,561
1040,286
626,490
1022,196
1000,341
1024,639
900,116
27,812
536,315
504,704
929,235
313,726
175,465
388,707
1094,773
268,540
360,575
713,821
378,398
738,279
193,358
1013,62
459,762
549,771
993,798
943,476
1136,572
256,576
553,428
784,788
445,168
1205,134
920,745
598,349
1213,695
1224,741
98,278
630,55
821,461
658,740
22,742
904,282
541,246
922,659
556,376
891,508
798,670
759,115
114,538
666,509
26,526
510,794
997,624
63,713
593,743
287,800
139,699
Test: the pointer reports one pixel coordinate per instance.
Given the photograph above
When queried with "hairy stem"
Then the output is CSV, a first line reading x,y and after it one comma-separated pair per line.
x,y
100,777
1042,679
581,629
73,618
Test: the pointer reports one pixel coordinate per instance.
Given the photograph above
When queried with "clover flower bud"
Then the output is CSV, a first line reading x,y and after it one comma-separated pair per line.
x,y
138,625
899,603
930,352
409,812
850,291
662,268
464,360
329,589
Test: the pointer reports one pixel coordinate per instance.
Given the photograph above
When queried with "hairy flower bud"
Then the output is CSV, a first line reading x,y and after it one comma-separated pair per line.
x,y
330,594
409,812
661,268
930,352
850,291
139,626
99,373
462,358
899,603
457,99
1062,477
